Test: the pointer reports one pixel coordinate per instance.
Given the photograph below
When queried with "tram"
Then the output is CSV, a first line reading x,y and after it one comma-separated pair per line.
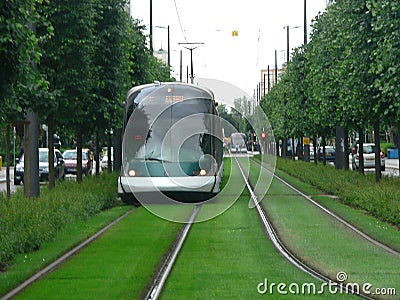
x,y
238,143
172,144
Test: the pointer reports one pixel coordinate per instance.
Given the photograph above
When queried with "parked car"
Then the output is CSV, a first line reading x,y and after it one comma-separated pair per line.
x,y
59,166
369,156
329,154
104,160
70,158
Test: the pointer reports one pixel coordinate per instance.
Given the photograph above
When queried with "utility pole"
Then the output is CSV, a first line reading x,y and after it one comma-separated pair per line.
x,y
180,67
169,49
287,45
191,47
151,27
305,22
276,66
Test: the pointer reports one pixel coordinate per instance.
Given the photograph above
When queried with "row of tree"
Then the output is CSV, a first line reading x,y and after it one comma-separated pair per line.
x,y
71,64
347,75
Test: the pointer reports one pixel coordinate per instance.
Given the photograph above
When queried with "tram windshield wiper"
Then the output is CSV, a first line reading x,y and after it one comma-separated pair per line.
x,y
157,159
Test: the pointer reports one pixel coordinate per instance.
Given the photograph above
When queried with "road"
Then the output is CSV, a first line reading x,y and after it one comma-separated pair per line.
x,y
392,169
14,187
3,187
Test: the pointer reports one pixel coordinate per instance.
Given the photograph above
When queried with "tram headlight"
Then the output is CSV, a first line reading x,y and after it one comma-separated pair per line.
x,y
132,173
203,172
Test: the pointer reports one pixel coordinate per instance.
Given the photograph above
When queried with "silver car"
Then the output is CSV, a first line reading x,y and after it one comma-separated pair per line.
x,y
369,156
59,166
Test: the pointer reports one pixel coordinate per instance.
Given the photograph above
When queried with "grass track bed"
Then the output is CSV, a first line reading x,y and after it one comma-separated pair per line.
x,y
26,265
324,243
118,265
228,257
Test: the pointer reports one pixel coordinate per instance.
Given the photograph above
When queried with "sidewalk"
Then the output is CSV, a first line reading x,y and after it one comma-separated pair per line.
x,y
3,174
392,163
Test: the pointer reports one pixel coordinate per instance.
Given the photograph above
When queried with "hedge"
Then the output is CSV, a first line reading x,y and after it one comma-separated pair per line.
x,y
25,224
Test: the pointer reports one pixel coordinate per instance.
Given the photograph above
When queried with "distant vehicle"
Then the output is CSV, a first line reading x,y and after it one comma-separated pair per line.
x,y
369,156
70,159
312,154
104,160
59,166
238,142
329,154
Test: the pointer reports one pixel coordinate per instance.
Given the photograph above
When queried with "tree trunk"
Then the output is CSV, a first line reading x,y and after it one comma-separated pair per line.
x,y
109,160
323,149
79,157
50,132
117,150
361,150
8,147
276,147
315,149
32,149
398,143
378,172
346,148
284,147
97,154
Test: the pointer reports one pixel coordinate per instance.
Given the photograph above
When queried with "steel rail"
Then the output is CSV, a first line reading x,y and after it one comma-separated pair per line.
x,y
159,281
49,268
335,216
282,249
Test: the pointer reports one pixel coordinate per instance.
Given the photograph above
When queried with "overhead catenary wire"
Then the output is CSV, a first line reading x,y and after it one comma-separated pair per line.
x,y
180,23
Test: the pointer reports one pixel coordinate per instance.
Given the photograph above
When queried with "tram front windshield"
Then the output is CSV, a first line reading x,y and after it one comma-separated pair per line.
x,y
176,132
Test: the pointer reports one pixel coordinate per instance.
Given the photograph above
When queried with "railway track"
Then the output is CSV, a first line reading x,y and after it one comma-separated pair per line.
x,y
335,216
158,282
282,249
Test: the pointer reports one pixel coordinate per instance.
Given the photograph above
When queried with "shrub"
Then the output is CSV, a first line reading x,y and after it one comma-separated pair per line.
x,y
25,224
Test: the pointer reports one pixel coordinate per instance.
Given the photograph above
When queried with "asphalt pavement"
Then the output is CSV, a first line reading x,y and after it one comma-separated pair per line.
x,y
3,174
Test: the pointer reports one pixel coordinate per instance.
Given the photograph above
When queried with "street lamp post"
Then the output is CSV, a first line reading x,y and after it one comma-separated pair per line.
x,y
287,42
169,49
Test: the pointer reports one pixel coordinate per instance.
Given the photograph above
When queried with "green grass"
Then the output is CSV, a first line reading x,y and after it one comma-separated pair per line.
x,y
27,264
119,265
229,256
381,231
324,243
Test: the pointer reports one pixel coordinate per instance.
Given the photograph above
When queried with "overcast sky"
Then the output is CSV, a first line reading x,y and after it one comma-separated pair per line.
x,y
237,60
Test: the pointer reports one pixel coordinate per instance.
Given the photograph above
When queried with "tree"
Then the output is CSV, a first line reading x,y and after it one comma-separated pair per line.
x,y
20,83
68,64
385,61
